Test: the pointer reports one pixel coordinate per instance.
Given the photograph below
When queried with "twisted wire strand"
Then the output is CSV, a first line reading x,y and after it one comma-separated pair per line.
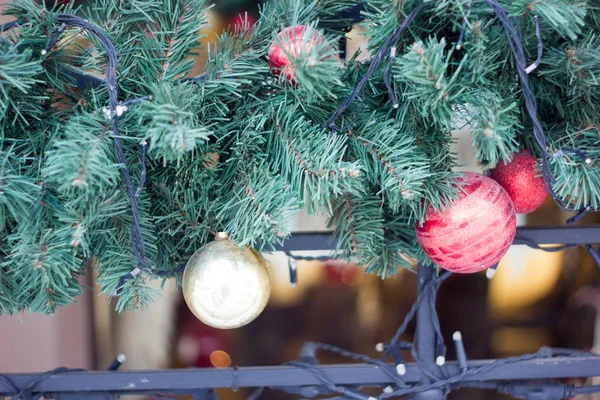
x,y
516,47
376,61
318,373
7,26
137,242
363,358
25,393
442,383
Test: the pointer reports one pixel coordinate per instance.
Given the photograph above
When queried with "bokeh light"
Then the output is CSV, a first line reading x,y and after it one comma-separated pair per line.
x,y
220,359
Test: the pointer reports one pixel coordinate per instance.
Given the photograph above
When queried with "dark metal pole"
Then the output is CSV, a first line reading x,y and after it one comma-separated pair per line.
x,y
425,331
575,235
191,379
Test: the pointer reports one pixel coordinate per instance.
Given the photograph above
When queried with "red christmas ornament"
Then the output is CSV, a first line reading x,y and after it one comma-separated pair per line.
x,y
338,273
244,21
63,2
291,42
198,342
522,182
475,231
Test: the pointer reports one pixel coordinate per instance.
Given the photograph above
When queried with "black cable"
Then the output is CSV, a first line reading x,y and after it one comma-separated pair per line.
x,y
390,41
363,358
256,393
463,26
25,393
7,26
137,242
514,40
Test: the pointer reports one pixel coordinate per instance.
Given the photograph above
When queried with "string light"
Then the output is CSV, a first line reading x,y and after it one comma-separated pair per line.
x,y
428,290
293,268
440,360
401,369
463,27
120,359
461,355
540,47
491,271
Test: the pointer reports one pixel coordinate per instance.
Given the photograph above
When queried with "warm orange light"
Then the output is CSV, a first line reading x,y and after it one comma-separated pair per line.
x,y
220,359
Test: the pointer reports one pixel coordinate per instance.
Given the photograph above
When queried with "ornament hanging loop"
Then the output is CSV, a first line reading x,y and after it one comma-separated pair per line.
x,y
222,236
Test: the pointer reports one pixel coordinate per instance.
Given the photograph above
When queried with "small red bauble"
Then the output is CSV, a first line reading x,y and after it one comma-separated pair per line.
x,y
338,273
474,232
197,342
243,22
291,42
522,182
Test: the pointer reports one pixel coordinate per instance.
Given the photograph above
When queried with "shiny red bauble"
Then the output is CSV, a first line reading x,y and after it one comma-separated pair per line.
x,y
522,182
291,42
475,231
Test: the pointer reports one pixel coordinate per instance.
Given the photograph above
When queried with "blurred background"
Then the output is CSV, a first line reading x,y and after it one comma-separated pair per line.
x,y
535,299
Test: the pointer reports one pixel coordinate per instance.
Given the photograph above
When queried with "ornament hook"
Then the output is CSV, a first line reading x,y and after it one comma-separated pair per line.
x,y
120,359
293,268
461,355
222,236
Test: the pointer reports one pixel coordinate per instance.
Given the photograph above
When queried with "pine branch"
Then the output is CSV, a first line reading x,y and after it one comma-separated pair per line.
x,y
573,71
17,191
183,208
381,19
286,13
41,262
313,162
422,82
392,162
173,126
259,207
83,159
564,16
18,72
115,259
494,128
576,181
358,226
368,236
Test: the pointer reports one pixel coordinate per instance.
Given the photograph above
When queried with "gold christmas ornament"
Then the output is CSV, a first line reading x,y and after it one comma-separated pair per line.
x,y
225,286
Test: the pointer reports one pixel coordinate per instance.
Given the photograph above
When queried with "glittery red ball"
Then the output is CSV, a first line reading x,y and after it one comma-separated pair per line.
x,y
522,182
291,42
475,231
